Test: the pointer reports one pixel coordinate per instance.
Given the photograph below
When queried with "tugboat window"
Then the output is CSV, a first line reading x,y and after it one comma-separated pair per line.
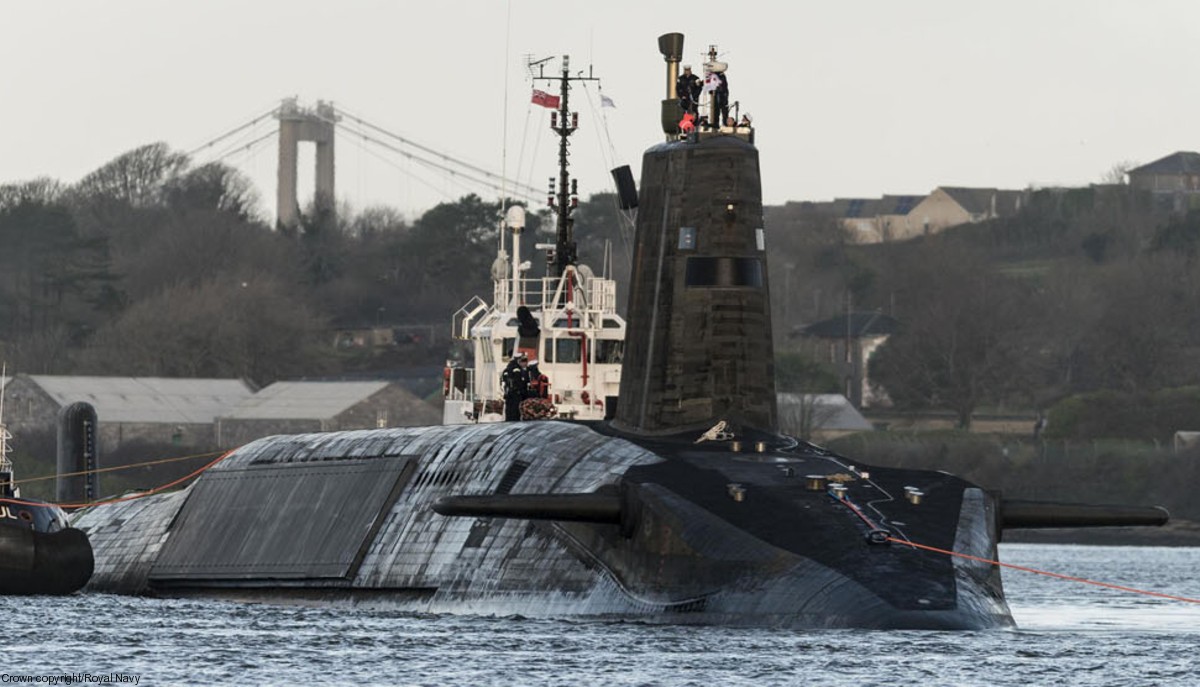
x,y
506,347
609,351
567,351
548,351
610,323
724,272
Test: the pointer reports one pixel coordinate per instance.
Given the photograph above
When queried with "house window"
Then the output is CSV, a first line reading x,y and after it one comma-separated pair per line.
x,y
381,418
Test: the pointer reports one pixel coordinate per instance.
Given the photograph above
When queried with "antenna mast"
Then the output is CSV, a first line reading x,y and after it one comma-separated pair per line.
x,y
564,195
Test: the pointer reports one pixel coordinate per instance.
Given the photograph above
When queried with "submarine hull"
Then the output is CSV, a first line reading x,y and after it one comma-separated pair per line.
x,y
349,516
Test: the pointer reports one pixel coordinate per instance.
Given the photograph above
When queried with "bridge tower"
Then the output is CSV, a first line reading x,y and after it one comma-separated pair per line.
x,y
298,124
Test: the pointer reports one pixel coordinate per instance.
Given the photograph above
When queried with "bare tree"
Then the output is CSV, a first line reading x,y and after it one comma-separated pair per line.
x,y
137,177
260,330
1118,172
802,415
964,333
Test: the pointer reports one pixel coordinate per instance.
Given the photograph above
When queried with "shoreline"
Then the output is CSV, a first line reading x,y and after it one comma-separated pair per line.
x,y
1174,533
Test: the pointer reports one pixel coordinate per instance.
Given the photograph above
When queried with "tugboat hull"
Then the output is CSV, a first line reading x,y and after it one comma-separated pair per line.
x,y
34,562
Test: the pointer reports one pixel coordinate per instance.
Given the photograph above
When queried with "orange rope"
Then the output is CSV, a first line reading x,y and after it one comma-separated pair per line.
x,y
1044,572
117,467
131,497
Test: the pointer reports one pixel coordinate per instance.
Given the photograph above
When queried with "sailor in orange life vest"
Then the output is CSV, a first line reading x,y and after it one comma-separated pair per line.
x,y
688,124
521,381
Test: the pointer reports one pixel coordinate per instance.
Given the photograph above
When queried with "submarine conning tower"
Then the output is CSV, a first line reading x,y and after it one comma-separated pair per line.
x,y
698,348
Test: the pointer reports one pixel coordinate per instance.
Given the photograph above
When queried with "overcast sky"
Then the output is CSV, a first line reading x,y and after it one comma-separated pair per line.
x,y
850,98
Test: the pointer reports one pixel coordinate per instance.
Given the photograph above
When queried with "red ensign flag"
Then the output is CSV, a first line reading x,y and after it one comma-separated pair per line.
x,y
545,99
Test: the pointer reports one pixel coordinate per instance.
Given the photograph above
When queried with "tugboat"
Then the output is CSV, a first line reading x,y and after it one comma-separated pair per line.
x,y
688,506
40,553
565,324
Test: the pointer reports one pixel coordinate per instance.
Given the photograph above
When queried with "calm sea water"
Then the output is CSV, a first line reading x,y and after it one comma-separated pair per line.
x,y
1069,634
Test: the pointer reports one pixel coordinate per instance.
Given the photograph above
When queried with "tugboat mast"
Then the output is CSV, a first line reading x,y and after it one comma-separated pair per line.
x,y
564,196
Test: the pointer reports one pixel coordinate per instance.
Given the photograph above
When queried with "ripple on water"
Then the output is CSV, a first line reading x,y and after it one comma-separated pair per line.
x,y
1068,633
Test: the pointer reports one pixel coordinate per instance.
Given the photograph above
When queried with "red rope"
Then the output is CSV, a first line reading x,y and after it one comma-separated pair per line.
x,y
1044,572
131,497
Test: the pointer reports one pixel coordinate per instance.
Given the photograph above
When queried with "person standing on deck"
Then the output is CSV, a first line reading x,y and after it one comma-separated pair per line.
x,y
516,382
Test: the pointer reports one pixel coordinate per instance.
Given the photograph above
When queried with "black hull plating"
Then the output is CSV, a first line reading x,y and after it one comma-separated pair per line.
x,y
682,551
34,562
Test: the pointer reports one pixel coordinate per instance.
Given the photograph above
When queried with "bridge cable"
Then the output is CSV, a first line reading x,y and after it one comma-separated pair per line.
x,y
430,163
228,152
233,131
408,172
448,158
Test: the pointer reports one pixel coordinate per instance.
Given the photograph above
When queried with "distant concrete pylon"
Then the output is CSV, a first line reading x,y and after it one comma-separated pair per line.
x,y
297,124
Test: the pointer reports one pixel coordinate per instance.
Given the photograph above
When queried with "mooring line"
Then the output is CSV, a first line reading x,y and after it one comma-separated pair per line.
x,y
130,497
1047,573
97,471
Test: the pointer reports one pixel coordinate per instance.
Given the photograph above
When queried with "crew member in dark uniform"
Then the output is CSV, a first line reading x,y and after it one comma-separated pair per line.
x,y
516,380
721,98
687,87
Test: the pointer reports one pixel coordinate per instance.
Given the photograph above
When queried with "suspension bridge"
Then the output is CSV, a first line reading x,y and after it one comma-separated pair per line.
x,y
326,125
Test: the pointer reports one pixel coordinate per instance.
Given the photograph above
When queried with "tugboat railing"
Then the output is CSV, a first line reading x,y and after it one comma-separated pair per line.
x,y
549,293
465,318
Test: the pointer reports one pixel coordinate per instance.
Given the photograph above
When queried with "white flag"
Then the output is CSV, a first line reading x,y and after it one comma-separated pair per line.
x,y
711,83
606,101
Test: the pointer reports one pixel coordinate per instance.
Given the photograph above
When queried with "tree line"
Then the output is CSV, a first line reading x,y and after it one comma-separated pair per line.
x,y
1084,294
155,265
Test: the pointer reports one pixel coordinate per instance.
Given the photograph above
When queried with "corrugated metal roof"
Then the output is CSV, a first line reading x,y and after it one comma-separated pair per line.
x,y
148,399
304,400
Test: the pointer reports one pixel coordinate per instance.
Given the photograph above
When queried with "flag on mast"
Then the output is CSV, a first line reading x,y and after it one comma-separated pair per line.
x,y
545,99
606,101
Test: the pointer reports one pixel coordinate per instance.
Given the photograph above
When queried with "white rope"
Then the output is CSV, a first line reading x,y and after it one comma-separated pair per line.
x,y
716,433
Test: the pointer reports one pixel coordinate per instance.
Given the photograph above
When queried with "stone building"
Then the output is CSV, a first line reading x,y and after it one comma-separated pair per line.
x,y
847,343
950,206
151,409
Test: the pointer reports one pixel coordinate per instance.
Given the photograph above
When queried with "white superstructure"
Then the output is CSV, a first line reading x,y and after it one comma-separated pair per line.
x,y
579,348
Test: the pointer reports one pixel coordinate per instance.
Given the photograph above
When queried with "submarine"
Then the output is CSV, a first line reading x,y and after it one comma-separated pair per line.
x,y
686,506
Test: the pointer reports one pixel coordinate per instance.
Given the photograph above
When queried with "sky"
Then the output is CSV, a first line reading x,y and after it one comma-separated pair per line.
x,y
850,99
